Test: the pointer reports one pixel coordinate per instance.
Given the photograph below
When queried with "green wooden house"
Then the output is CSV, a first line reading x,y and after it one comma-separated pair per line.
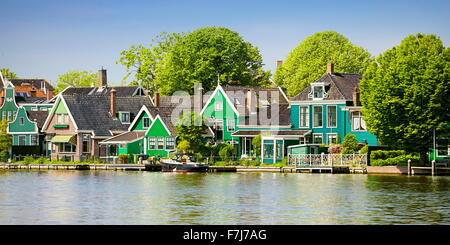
x,y
9,107
330,108
25,129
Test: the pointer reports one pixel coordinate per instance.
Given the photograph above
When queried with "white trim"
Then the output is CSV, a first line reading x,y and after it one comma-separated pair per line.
x,y
219,88
337,135
312,126
309,102
243,127
52,113
36,130
335,114
143,108
153,123
307,116
312,136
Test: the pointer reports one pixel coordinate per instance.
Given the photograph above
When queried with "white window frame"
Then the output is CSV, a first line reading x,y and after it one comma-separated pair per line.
x,y
313,92
230,121
144,120
218,106
313,116
170,141
152,142
24,137
35,141
361,119
300,116
336,116
321,136
58,119
21,121
158,141
328,138
125,113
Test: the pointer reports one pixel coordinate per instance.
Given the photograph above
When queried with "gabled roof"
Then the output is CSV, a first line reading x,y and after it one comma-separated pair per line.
x,y
283,117
93,112
121,91
38,116
34,82
341,87
126,137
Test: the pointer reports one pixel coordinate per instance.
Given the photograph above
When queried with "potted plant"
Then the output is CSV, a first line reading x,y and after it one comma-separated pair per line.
x,y
123,158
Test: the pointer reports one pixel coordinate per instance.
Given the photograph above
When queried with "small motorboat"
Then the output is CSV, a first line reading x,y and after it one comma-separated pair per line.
x,y
170,165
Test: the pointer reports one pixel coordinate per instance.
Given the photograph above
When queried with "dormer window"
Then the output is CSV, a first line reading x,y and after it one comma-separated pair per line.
x,y
318,92
124,117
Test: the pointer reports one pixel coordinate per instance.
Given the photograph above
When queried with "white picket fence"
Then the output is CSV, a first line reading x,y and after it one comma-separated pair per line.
x,y
327,159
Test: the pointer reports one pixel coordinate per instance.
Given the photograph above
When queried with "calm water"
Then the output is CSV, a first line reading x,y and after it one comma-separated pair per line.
x,y
119,197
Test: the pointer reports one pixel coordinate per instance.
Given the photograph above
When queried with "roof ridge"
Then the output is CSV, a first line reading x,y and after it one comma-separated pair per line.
x,y
337,87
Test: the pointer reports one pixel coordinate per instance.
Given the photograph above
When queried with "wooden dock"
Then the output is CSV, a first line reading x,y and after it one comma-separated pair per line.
x,y
126,167
331,169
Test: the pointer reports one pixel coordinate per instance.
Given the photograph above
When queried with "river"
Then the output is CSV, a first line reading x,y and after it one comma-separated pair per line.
x,y
128,197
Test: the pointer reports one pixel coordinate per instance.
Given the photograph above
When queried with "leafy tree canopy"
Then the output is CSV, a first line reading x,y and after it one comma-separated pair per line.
x,y
5,139
307,62
76,79
141,61
190,127
405,93
6,73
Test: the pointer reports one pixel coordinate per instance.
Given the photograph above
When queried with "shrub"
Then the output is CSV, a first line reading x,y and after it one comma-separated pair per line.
x,y
364,150
350,145
401,160
335,149
381,154
28,160
42,160
226,152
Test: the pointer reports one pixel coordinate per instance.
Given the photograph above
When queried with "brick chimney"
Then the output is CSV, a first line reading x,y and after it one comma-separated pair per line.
x,y
330,68
156,98
102,78
112,101
355,96
49,94
33,92
279,63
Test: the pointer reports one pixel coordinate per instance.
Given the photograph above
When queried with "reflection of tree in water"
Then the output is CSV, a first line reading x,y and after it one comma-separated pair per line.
x,y
408,199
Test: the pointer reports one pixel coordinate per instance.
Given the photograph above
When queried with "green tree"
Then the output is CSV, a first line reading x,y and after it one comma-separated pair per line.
x,y
5,139
203,55
141,61
350,145
405,93
6,73
256,143
190,127
226,152
307,62
76,79
184,146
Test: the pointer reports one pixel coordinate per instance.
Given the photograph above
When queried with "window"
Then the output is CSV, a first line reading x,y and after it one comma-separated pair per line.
x,y
218,124
443,146
317,92
358,123
332,116
3,115
21,121
61,119
332,139
86,143
218,106
151,143
146,122
160,143
304,117
170,143
67,148
230,125
125,117
33,140
34,108
14,115
268,150
21,139
44,108
317,138
318,117
9,116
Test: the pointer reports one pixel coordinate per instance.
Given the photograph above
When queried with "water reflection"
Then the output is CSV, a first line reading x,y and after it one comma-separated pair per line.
x,y
120,197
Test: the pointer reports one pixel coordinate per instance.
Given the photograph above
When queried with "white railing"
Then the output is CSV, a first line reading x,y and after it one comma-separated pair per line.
x,y
327,159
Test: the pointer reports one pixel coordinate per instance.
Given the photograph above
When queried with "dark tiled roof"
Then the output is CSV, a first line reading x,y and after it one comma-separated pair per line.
x,y
282,119
35,82
30,100
271,132
38,116
341,86
92,112
121,91
261,93
126,137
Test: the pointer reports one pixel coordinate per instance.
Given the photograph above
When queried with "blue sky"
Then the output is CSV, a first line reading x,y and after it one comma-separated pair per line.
x,y
44,39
